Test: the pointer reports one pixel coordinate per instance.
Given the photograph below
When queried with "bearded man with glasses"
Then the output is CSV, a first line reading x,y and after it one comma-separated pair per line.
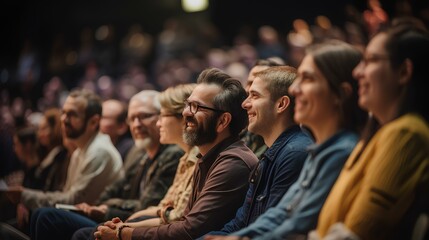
x,y
213,120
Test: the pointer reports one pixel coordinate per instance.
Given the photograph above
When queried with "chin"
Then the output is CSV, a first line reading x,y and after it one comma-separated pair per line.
x,y
363,104
142,143
298,118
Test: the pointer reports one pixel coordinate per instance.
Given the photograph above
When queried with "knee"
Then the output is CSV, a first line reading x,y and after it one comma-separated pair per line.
x,y
43,217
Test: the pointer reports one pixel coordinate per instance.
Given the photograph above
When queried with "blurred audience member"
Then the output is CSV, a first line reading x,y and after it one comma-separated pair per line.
x,y
94,164
113,123
55,161
269,43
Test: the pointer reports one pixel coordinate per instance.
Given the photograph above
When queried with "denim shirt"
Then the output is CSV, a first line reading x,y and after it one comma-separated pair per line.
x,y
278,169
298,210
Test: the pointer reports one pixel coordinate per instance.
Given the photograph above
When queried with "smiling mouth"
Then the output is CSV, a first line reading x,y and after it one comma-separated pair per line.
x,y
191,124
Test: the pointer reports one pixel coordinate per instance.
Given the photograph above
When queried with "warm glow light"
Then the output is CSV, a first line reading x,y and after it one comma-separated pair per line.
x,y
194,5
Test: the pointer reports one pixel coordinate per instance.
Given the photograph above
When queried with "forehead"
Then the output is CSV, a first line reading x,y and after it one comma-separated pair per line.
x,y
259,85
377,44
77,104
43,122
204,93
111,108
307,65
141,105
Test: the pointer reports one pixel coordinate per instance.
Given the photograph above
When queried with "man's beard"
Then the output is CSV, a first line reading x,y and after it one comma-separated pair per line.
x,y
73,133
142,143
201,135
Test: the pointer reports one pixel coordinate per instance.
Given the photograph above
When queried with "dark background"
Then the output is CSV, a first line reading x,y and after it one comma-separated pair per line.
x,y
39,21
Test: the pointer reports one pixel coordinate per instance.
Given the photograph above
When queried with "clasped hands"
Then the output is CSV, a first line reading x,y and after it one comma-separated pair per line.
x,y
109,230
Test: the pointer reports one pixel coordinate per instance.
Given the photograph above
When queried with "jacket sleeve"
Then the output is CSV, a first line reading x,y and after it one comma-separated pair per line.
x,y
240,218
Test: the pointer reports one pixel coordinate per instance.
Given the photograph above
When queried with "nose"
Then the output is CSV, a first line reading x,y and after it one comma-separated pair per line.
x,y
187,111
357,71
158,122
135,122
294,89
246,103
64,118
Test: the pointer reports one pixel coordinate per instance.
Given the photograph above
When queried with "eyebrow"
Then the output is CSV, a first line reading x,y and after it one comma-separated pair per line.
x,y
196,101
254,92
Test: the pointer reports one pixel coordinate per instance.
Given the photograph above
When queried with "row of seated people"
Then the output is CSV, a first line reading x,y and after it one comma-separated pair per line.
x,y
312,177
44,153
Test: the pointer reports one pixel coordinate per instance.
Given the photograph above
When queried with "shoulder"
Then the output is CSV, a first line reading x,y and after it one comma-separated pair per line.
x,y
240,152
297,142
170,153
101,142
101,147
346,141
409,124
291,142
340,148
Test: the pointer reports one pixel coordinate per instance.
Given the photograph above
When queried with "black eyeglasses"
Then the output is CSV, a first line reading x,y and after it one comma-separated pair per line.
x,y
140,116
194,106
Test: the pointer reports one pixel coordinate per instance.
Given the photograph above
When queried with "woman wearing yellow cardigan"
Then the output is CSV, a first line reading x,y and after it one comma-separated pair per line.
x,y
385,180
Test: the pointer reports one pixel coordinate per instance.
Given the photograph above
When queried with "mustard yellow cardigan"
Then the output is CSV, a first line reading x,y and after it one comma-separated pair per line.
x,y
373,193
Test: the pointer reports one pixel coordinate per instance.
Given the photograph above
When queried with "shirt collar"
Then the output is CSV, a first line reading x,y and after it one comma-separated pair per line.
x,y
212,154
192,157
271,152
314,149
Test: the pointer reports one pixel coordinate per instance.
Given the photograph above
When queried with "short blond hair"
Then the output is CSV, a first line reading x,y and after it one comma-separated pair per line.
x,y
173,98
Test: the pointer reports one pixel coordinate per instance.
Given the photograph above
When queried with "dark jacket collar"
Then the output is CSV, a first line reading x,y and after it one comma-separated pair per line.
x,y
280,142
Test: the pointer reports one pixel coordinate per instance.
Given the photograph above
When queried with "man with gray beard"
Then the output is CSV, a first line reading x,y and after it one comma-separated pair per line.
x,y
213,120
145,183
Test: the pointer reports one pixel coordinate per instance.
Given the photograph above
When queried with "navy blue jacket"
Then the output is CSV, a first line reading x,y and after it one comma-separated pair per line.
x,y
278,169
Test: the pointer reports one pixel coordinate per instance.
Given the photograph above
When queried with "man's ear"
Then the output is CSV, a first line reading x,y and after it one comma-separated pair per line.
x,y
282,104
94,121
224,121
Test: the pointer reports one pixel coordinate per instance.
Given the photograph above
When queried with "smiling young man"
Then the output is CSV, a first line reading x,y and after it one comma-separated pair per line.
x,y
254,141
269,104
